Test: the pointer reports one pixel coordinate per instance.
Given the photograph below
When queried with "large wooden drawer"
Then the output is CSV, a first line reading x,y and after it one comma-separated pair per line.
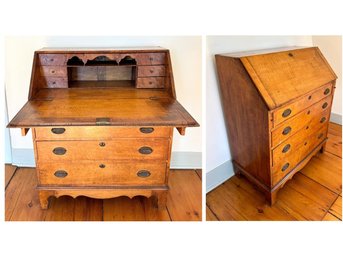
x,y
290,110
293,125
116,149
100,133
102,172
284,166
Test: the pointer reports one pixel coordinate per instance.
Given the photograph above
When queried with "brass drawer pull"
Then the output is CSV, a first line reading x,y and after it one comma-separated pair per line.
x,y
324,105
309,97
143,173
146,130
285,167
58,130
286,113
286,148
102,144
102,166
322,120
61,173
320,135
59,151
286,130
327,91
145,150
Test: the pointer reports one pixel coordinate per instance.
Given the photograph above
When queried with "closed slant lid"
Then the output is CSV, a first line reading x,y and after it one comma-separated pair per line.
x,y
283,76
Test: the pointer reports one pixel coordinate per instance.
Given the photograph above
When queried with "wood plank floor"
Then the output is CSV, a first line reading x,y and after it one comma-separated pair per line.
x,y
314,193
22,204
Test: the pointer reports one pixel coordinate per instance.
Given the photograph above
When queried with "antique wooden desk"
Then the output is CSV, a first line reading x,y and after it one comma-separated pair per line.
x,y
277,105
102,122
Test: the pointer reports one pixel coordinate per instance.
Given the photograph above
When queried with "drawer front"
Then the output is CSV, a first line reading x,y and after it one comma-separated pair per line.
x,y
102,172
52,59
150,58
291,126
151,71
283,167
55,82
53,71
117,149
290,146
152,82
292,109
84,133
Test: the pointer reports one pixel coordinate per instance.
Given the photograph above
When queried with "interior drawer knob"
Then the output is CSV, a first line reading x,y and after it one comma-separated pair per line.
x,y
146,130
102,144
322,120
102,166
327,91
143,173
59,151
286,130
145,150
286,113
51,60
324,105
151,71
61,173
58,130
286,148
285,167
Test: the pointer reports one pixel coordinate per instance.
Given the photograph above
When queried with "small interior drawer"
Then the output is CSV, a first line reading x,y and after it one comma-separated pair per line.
x,y
288,111
150,82
104,132
52,59
54,82
151,71
150,58
102,172
53,71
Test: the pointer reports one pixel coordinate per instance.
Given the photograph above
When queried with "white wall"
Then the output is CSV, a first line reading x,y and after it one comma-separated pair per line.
x,y
186,61
331,47
217,148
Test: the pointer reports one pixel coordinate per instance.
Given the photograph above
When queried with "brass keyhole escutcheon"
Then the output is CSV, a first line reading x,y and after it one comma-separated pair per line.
x,y
145,150
286,148
143,173
286,130
146,130
285,167
61,173
58,130
286,113
59,151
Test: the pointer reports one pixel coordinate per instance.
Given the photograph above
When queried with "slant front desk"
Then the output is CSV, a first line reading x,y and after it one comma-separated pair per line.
x,y
102,122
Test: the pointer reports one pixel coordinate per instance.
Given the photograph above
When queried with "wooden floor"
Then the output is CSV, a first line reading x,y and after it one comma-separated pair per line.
x,y
314,193
22,204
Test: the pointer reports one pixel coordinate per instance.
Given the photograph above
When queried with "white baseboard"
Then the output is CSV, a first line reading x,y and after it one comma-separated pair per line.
x,y
218,175
179,160
336,118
